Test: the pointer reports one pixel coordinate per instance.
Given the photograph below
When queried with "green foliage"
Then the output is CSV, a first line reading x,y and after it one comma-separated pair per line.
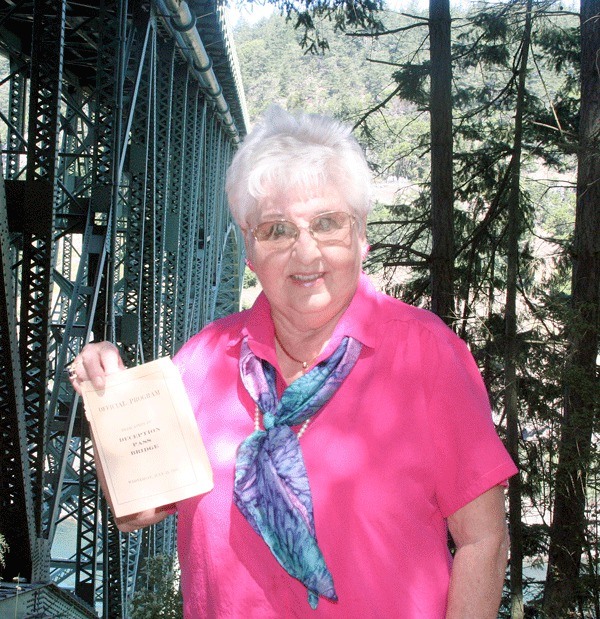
x,y
276,71
348,82
158,594
342,15
560,45
412,80
3,550
249,279
4,90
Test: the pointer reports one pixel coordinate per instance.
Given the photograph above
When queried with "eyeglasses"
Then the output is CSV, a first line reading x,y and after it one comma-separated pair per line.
x,y
330,227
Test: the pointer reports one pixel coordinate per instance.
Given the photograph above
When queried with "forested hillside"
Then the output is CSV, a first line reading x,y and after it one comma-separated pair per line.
x,y
349,79
486,232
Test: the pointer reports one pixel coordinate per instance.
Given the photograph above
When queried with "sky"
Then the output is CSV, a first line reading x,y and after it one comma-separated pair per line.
x,y
255,11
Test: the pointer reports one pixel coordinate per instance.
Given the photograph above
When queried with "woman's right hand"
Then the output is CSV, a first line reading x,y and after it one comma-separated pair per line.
x,y
94,363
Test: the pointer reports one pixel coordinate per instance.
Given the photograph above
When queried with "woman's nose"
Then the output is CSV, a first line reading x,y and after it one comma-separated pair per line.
x,y
306,247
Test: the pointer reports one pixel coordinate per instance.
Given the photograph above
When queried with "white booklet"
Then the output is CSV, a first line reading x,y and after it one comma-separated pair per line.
x,y
146,438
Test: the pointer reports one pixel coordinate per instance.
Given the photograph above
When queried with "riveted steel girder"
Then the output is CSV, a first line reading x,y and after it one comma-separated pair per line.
x,y
113,225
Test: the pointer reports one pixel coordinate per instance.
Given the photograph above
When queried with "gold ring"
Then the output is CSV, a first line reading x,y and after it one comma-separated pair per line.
x,y
72,368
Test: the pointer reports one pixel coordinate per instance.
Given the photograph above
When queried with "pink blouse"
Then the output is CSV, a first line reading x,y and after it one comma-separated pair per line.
x,y
406,441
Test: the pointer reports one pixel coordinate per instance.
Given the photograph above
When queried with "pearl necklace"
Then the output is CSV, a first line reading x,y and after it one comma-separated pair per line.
x,y
299,434
305,365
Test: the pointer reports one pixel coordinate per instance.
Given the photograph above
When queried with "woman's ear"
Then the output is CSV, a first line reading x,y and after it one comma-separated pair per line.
x,y
364,251
362,237
249,247
247,239
361,228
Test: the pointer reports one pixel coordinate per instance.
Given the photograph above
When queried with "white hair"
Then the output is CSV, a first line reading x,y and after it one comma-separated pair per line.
x,y
286,152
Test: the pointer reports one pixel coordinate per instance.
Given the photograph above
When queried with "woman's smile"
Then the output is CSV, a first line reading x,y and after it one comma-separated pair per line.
x,y
307,279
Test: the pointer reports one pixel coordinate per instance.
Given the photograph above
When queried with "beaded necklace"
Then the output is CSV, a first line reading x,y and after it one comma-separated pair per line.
x,y
305,365
257,427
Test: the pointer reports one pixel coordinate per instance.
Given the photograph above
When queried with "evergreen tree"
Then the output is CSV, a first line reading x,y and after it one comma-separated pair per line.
x,y
511,390
442,191
565,590
158,594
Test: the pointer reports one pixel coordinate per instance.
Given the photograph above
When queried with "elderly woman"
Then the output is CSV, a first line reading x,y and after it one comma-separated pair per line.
x,y
347,430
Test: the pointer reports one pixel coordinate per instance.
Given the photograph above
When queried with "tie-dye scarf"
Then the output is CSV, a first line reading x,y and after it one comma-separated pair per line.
x,y
271,485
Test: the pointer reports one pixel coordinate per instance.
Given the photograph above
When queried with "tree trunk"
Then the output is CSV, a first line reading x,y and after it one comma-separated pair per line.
x,y
440,106
511,396
567,532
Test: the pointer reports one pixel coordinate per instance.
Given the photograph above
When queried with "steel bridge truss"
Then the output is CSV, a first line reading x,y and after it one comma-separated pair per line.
x,y
117,127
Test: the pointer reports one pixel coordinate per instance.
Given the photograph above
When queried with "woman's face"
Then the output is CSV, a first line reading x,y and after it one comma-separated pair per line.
x,y
311,282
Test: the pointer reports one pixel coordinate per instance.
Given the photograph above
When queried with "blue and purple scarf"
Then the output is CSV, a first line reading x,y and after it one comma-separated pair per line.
x,y
271,486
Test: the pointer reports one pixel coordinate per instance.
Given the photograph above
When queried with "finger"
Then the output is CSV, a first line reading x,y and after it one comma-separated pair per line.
x,y
71,369
97,361
110,358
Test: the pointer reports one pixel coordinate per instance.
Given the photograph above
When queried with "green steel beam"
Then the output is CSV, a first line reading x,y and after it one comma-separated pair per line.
x,y
114,227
